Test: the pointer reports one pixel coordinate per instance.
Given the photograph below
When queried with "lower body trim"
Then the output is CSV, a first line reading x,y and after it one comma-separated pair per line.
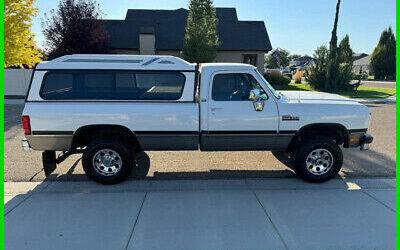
x,y
50,142
168,141
243,142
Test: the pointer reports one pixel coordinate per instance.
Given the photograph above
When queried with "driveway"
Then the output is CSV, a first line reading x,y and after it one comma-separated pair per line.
x,y
201,214
380,161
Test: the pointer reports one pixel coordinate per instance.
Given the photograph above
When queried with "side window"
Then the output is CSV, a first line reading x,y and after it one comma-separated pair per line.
x,y
95,86
113,85
160,86
98,82
255,85
57,86
233,87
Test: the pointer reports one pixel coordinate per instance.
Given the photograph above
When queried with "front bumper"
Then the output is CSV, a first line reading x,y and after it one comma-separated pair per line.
x,y
360,139
365,142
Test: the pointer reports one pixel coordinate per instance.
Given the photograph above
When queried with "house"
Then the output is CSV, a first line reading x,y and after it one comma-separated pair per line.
x,y
300,63
363,65
161,32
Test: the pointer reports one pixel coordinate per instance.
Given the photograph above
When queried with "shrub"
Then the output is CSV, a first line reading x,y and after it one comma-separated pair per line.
x,y
297,79
298,76
319,79
276,78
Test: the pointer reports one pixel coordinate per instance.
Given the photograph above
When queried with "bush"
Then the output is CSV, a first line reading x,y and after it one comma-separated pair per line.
x,y
298,76
276,78
317,79
339,79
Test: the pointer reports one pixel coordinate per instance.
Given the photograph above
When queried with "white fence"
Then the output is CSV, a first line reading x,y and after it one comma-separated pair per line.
x,y
16,82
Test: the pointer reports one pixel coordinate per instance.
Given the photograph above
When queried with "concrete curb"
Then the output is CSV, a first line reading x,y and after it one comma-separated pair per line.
x,y
389,100
14,188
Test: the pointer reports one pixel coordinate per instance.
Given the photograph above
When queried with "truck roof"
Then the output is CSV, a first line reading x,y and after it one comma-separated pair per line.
x,y
226,66
100,61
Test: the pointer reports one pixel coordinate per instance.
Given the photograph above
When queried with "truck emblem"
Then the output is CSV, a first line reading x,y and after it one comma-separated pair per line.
x,y
290,118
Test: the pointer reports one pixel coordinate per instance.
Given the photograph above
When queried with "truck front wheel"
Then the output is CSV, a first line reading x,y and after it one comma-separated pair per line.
x,y
107,161
318,159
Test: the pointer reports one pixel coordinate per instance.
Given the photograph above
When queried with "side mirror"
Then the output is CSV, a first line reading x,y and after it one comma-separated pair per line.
x,y
258,102
254,94
258,105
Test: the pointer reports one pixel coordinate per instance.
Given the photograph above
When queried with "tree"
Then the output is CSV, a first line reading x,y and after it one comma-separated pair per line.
x,y
345,53
333,69
19,43
293,56
383,60
270,61
201,39
333,62
74,28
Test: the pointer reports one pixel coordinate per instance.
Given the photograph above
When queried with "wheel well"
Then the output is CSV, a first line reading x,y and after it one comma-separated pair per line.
x,y
336,132
84,135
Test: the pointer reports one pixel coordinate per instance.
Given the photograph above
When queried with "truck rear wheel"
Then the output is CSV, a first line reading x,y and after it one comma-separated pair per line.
x,y
108,161
318,159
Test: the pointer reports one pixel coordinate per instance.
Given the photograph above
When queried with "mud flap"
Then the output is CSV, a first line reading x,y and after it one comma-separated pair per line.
x,y
142,167
49,162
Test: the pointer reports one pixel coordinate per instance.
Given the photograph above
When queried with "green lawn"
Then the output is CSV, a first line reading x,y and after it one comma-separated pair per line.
x,y
361,92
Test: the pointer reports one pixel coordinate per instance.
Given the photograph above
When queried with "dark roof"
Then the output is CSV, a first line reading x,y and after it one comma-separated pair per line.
x,y
303,58
169,29
366,60
359,56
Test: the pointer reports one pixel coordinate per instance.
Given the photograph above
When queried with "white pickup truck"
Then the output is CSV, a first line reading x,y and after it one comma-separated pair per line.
x,y
112,108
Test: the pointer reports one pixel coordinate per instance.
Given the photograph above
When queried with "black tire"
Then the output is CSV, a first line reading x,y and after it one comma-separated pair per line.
x,y
142,167
308,146
126,156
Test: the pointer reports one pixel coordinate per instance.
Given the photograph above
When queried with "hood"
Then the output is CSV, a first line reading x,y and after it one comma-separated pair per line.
x,y
313,96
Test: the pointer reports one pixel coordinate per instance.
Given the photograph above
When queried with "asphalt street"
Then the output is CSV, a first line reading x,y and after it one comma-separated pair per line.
x,y
379,161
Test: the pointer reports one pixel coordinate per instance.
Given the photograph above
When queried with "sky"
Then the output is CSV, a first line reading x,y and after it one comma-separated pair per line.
x,y
298,26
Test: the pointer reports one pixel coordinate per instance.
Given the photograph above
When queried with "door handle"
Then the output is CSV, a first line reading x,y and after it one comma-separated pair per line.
x,y
213,109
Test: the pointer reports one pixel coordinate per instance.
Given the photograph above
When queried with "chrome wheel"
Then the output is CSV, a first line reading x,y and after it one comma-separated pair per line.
x,y
319,161
107,162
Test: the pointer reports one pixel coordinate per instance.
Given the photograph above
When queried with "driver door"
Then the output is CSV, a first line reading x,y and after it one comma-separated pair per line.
x,y
232,121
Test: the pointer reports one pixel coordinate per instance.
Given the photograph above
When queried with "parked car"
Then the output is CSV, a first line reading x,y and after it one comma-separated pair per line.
x,y
112,108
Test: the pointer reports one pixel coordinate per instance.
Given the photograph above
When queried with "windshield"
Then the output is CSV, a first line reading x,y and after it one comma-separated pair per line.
x,y
276,94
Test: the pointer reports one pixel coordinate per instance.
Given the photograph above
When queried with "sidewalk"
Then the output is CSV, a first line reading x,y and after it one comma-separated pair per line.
x,y
201,214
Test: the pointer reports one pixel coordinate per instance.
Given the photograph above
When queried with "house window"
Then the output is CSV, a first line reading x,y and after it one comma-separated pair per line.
x,y
250,59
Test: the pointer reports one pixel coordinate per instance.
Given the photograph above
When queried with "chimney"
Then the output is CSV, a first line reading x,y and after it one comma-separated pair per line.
x,y
147,41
